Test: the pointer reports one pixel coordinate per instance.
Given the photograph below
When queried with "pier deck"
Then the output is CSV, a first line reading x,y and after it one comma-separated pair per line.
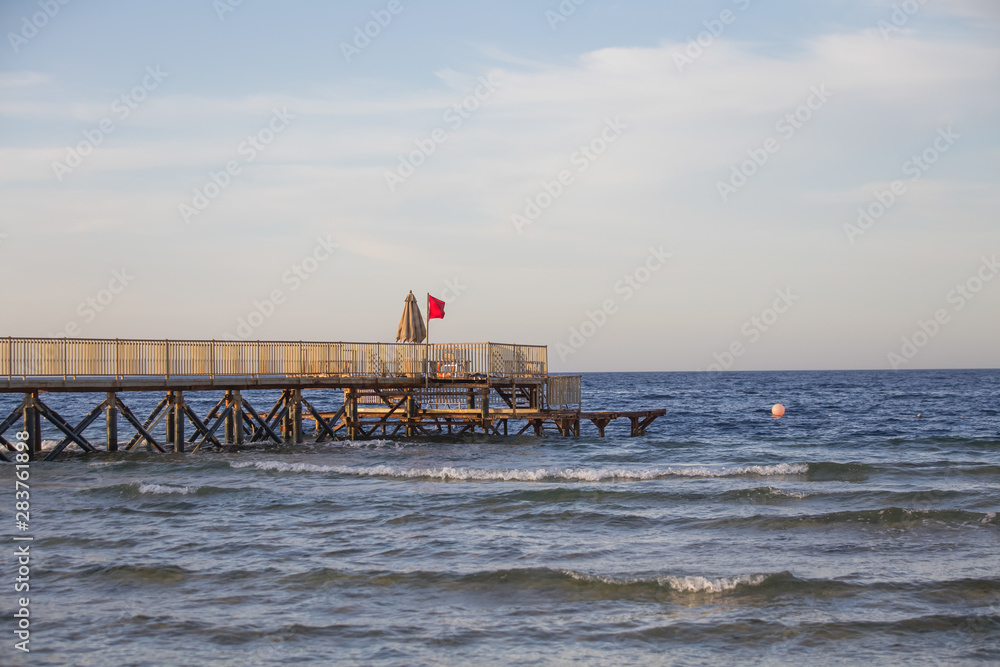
x,y
386,388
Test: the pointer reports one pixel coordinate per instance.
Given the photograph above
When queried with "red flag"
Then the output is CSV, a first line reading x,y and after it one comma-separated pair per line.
x,y
435,308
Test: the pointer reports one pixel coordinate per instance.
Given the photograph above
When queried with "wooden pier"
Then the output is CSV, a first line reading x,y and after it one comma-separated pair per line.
x,y
388,389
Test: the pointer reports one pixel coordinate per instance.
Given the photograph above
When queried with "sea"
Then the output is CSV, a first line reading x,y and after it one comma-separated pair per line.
x,y
860,528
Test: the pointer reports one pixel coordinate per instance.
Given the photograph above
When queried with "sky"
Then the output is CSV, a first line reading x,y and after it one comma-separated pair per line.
x,y
649,186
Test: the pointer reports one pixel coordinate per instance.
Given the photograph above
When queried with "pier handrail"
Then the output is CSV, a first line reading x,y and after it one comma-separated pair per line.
x,y
563,391
123,357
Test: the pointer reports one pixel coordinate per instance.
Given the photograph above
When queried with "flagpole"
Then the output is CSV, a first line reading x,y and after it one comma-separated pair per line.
x,y
427,343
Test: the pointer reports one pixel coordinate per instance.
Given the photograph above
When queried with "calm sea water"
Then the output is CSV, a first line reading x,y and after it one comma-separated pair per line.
x,y
850,531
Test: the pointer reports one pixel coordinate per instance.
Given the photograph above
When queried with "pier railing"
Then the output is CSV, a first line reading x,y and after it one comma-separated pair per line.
x,y
562,391
78,357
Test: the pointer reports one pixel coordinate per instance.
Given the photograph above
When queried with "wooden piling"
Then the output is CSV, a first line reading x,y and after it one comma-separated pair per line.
x,y
485,409
231,419
296,415
168,418
111,417
351,413
32,424
237,417
178,414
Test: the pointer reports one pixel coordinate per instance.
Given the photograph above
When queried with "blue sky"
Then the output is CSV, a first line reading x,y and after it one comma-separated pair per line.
x,y
713,155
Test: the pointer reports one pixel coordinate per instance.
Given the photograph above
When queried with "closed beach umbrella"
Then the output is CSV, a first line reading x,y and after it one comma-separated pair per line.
x,y
411,326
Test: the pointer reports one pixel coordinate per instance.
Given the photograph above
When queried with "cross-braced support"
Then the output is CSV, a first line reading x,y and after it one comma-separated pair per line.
x,y
387,408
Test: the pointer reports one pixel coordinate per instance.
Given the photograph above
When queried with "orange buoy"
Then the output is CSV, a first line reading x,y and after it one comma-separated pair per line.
x,y
778,410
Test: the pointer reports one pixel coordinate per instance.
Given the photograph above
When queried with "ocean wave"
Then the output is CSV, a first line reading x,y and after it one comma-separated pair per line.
x,y
765,494
139,488
829,471
371,444
525,475
976,629
685,584
134,574
163,488
888,517
543,580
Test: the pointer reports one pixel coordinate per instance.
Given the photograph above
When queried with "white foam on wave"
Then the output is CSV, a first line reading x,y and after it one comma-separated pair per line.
x,y
798,495
368,444
705,585
162,488
687,584
785,493
519,475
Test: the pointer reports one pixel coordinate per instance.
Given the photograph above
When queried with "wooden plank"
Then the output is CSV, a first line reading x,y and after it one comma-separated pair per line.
x,y
149,424
264,428
56,420
218,422
141,431
321,423
80,428
274,416
54,384
274,424
15,414
201,427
